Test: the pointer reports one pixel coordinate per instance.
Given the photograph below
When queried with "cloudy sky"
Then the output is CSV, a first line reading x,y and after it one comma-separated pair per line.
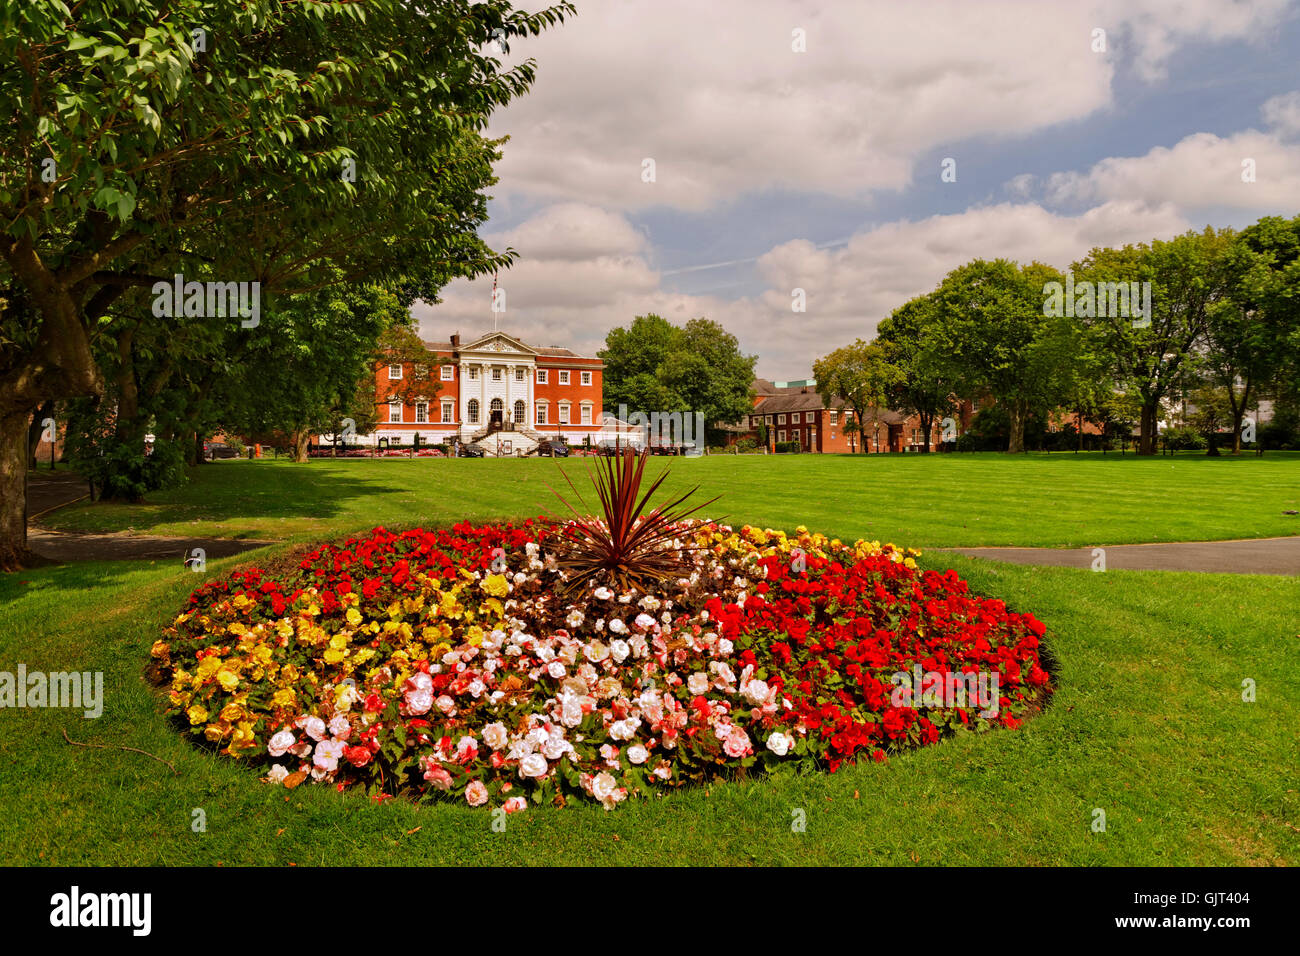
x,y
777,169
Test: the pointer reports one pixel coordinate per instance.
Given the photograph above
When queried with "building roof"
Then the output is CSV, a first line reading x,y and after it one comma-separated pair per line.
x,y
551,351
806,399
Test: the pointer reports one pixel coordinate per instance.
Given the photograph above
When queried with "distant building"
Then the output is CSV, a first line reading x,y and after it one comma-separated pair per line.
x,y
795,411
494,387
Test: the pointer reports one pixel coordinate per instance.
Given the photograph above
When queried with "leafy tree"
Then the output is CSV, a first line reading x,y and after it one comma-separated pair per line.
x,y
1189,276
236,140
992,336
925,386
654,365
861,376
313,364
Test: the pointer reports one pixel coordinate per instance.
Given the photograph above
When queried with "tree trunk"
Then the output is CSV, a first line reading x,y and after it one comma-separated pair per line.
x,y
927,427
1147,422
196,450
1016,427
301,441
13,492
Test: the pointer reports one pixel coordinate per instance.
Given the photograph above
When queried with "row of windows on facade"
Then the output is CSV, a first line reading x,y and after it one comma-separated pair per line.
x,y
809,417
447,373
473,410
812,436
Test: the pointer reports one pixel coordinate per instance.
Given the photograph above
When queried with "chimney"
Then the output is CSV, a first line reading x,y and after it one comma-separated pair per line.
x,y
455,341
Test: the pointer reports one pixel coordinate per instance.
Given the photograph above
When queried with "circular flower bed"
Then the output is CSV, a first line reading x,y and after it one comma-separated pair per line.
x,y
447,664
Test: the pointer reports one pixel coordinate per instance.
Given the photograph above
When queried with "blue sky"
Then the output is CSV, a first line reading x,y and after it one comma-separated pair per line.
x,y
819,169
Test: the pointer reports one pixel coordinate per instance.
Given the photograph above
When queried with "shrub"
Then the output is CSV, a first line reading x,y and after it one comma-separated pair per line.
x,y
1183,438
787,447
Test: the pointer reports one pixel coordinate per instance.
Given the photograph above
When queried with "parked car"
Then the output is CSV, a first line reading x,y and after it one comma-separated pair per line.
x,y
609,447
218,449
552,448
469,451
672,448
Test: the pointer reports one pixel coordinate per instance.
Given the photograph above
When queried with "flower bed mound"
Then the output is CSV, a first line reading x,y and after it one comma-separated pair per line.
x,y
446,664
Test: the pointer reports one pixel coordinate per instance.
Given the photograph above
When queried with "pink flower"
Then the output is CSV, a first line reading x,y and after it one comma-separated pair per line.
x,y
279,744
417,694
737,743
436,773
476,794
514,805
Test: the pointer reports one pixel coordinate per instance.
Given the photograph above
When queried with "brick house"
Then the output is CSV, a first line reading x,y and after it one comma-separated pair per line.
x,y
794,411
495,386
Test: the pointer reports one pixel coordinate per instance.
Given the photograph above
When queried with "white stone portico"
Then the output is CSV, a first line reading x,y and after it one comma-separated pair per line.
x,y
497,372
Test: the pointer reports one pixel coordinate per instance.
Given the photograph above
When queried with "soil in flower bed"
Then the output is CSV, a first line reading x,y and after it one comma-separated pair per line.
x,y
448,664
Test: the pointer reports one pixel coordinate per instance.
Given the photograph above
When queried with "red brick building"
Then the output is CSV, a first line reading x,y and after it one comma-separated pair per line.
x,y
794,411
495,385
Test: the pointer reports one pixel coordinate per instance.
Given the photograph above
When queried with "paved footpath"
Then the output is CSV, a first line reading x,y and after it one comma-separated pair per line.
x,y
1247,556
47,491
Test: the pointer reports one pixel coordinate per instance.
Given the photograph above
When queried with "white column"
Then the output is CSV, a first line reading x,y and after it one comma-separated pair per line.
x,y
507,413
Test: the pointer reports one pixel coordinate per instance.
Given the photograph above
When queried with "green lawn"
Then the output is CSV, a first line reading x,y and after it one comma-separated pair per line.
x,y
1147,724
919,500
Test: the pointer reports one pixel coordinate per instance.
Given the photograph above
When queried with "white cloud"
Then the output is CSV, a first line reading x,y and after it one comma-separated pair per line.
x,y
557,299
1200,171
1282,114
719,100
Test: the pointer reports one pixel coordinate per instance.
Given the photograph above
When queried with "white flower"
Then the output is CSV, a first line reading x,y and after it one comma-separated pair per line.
x,y
644,621
725,647
697,683
279,744
663,771
495,736
575,619
556,669
637,754
596,652
327,754
534,765
277,773
617,626
602,594
570,712
339,727
314,726
756,692
446,705
780,743
602,786
556,747
476,687
624,729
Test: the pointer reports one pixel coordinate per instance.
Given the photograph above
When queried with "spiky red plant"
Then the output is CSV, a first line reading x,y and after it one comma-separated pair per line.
x,y
632,548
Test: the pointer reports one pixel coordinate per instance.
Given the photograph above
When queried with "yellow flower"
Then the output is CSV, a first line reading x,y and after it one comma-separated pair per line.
x,y
244,738
353,616
474,635
197,714
334,655
228,679
215,732
209,666
285,697
496,585
232,712
290,673
160,649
